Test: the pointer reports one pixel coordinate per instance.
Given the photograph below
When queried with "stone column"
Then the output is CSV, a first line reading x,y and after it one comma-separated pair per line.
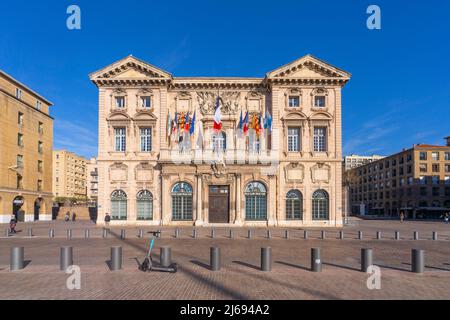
x,y
199,219
238,219
271,205
165,200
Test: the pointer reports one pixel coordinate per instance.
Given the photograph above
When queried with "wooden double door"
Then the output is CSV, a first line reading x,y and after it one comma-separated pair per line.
x,y
219,204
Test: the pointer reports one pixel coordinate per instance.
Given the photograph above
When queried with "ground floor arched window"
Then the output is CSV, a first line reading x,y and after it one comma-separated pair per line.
x,y
320,205
119,205
144,203
182,202
256,202
294,205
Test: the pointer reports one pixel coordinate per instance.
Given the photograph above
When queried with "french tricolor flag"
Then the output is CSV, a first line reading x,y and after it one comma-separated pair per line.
x,y
218,117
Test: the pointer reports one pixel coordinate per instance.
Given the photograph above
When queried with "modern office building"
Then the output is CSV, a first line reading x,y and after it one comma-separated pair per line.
x,y
69,175
415,181
176,150
26,142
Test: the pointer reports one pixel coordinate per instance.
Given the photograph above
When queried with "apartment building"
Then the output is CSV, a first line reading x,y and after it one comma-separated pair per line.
x,y
354,161
69,175
92,180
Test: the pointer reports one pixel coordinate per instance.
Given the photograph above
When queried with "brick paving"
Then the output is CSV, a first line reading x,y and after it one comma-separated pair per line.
x,y
240,277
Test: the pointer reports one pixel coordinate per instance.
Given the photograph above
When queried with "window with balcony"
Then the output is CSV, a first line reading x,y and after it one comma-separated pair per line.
x,y
320,139
293,139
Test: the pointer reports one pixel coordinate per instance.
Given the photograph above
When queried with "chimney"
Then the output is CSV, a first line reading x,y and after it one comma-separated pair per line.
x,y
448,141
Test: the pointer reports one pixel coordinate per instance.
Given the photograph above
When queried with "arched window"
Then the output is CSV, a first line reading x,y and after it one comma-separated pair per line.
x,y
182,202
256,202
144,201
119,205
294,205
320,205
219,142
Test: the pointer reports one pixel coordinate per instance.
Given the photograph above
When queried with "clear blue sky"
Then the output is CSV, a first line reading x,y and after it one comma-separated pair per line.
x,y
399,94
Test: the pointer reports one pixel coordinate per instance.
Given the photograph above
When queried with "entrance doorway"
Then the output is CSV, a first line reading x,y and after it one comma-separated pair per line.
x,y
37,208
219,204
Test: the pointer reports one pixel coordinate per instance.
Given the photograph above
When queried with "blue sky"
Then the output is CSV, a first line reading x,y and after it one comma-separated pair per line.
x,y
399,93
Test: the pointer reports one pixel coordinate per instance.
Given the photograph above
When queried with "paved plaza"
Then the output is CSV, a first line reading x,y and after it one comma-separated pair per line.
x,y
240,277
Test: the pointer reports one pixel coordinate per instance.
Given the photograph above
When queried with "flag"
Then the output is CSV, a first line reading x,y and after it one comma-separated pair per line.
x,y
268,122
260,124
192,125
241,123
200,135
245,126
175,123
187,123
218,116
169,125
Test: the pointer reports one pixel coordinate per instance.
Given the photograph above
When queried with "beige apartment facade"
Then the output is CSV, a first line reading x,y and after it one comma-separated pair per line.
x,y
26,142
92,180
287,176
69,175
415,182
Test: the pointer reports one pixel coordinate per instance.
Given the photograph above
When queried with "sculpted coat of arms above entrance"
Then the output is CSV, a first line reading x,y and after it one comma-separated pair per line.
x,y
229,101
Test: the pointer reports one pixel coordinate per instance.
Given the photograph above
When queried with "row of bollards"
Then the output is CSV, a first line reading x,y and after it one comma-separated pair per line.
x,y
250,235
66,259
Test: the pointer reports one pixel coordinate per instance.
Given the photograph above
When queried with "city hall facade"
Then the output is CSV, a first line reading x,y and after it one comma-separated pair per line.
x,y
152,172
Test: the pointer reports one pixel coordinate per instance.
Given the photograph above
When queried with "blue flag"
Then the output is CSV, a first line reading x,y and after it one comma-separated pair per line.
x,y
192,127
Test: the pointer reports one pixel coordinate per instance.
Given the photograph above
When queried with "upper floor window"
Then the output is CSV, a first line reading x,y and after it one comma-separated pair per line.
x,y
38,105
447,156
146,102
20,118
40,147
319,101
120,139
19,182
20,140
18,93
447,180
435,155
40,127
40,167
447,168
294,101
423,167
39,185
423,156
435,179
120,102
293,139
20,161
435,167
320,139
146,139
219,142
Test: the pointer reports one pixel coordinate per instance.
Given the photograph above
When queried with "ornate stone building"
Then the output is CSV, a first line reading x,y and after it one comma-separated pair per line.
x,y
288,176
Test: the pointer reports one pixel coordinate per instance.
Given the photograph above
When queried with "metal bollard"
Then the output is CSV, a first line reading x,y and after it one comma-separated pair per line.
x,y
116,258
215,259
165,257
305,235
378,235
435,236
66,258
87,234
416,235
122,234
418,261
194,234
366,259
397,235
30,232
159,234
105,233
316,263
231,234
324,236
69,233
7,232
141,233
360,235
177,233
51,233
341,235
286,234
269,234
266,259
17,259
249,234
213,233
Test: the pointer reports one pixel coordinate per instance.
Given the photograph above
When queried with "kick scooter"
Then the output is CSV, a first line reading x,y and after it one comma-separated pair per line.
x,y
147,264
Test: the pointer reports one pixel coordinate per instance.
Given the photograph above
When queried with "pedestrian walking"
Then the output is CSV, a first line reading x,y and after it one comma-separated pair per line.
x,y
74,217
12,226
446,217
67,217
402,217
107,220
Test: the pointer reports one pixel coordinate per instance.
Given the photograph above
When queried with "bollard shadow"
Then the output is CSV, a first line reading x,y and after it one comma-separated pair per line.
x,y
340,266
292,265
201,264
108,264
248,265
393,268
427,267
26,263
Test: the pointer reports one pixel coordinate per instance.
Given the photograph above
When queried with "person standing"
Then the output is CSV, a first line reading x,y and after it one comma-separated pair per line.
x,y
107,220
74,216
67,217
446,217
402,217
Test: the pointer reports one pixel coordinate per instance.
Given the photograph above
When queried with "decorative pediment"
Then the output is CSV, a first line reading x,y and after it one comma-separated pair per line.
x,y
145,115
130,70
294,115
118,115
321,116
308,70
295,172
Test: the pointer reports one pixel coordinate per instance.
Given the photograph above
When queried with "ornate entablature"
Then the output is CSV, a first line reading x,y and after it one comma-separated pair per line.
x,y
229,101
